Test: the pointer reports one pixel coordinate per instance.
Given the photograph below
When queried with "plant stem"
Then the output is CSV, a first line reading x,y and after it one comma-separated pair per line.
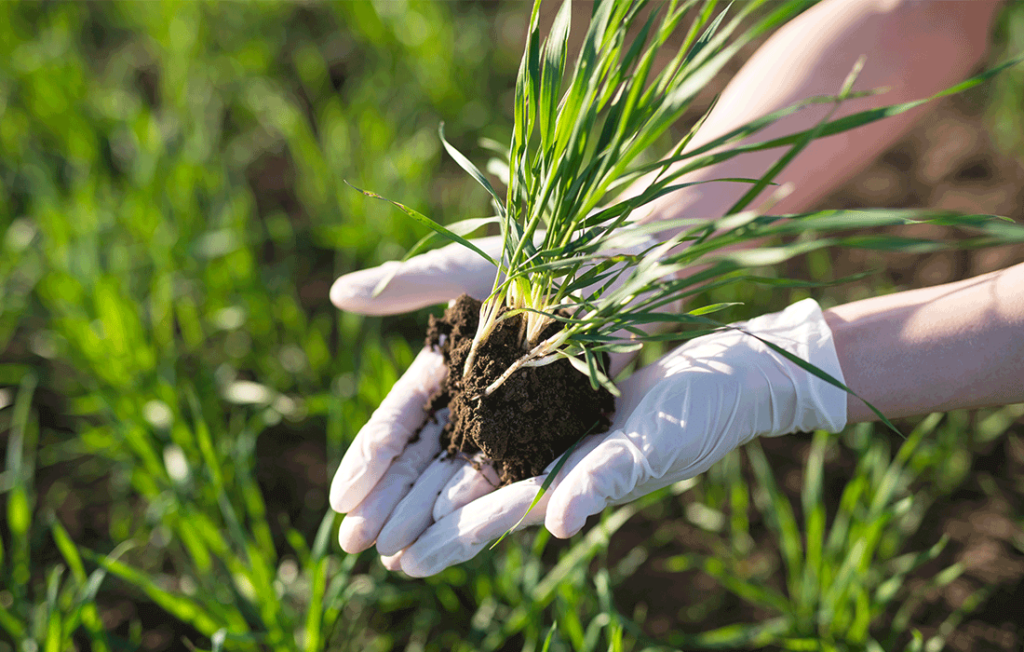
x,y
488,318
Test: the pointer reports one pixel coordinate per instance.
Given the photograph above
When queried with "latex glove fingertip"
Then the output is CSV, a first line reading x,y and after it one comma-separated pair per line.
x,y
387,433
611,470
468,530
427,279
354,292
566,521
352,534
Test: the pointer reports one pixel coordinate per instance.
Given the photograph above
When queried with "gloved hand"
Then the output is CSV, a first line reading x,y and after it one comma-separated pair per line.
x,y
386,459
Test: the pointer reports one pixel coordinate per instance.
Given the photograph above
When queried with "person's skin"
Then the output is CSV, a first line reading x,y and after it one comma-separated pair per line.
x,y
959,345
914,48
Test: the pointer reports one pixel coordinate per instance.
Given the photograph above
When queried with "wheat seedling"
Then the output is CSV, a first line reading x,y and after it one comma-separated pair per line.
x,y
580,138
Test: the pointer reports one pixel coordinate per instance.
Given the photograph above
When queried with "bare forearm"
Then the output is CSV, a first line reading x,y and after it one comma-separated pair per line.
x,y
959,345
914,48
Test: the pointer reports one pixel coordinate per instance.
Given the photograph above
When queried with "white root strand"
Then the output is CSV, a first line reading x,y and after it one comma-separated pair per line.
x,y
532,358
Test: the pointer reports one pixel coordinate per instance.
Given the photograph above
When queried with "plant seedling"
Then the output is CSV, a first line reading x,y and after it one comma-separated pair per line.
x,y
580,274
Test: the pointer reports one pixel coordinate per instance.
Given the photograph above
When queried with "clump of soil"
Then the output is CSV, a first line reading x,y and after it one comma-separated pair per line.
x,y
532,418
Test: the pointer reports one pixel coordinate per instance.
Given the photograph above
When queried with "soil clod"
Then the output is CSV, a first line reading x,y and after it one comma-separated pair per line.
x,y
532,418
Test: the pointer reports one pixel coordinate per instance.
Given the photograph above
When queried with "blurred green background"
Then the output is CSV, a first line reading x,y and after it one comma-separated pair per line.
x,y
176,389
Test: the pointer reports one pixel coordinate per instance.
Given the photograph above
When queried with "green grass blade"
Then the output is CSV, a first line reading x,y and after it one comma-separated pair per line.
x,y
462,228
430,224
592,542
739,505
709,32
68,551
846,123
323,537
597,375
752,592
21,450
468,166
823,375
798,146
901,567
901,621
739,636
555,51
551,635
588,368
54,639
779,515
315,611
713,308
812,499
11,625
179,606
850,503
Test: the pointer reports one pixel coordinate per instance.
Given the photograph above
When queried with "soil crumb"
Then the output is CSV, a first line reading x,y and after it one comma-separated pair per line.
x,y
532,418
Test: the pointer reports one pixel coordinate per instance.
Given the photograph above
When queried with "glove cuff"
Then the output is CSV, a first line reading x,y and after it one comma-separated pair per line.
x,y
801,329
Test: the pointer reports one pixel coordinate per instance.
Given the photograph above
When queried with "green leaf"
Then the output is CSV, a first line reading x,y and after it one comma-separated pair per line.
x,y
705,38
549,637
738,636
323,537
179,606
588,367
712,308
617,348
21,451
468,166
69,551
869,116
823,375
430,224
812,498
903,565
779,515
11,625
555,50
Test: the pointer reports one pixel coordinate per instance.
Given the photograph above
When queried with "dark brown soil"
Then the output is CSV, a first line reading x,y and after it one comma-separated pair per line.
x,y
532,418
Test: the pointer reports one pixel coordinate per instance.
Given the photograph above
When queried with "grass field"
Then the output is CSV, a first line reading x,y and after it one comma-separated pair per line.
x,y
176,389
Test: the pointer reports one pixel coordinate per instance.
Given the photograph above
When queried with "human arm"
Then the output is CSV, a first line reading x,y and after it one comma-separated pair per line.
x,y
913,48
953,346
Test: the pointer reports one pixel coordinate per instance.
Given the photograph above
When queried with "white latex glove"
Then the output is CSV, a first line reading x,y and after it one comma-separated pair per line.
x,y
675,419
382,464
